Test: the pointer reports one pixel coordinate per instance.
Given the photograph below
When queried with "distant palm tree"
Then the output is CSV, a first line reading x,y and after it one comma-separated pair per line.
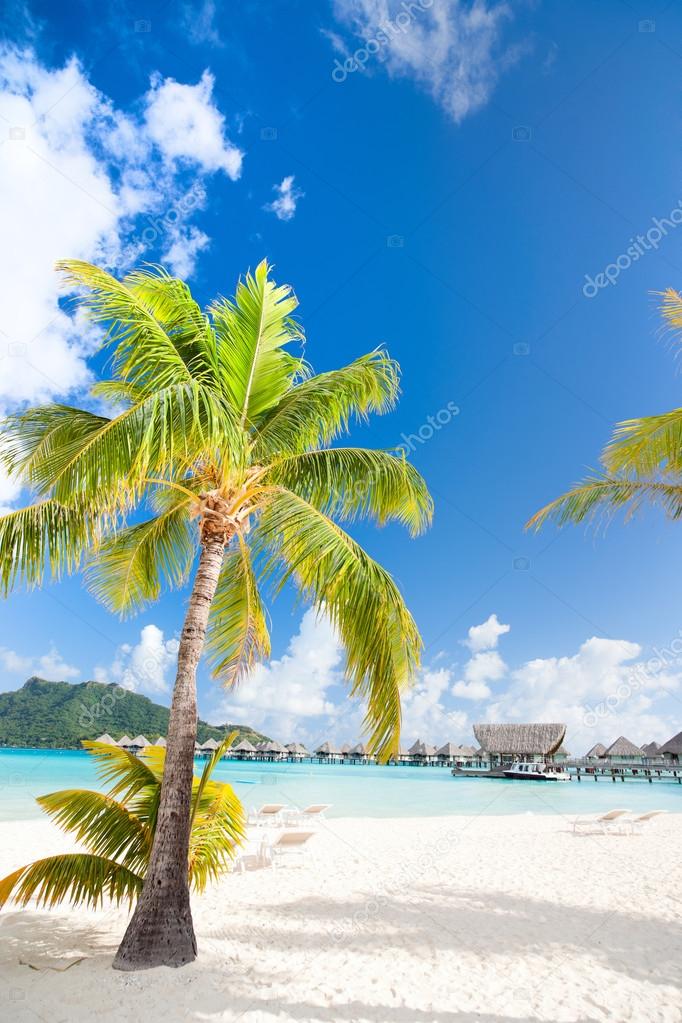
x,y
642,463
118,830
222,444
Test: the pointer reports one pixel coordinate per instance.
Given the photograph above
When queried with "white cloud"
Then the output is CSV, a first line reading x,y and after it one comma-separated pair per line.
x,y
600,692
486,635
144,667
186,125
180,257
50,666
78,179
280,696
198,20
284,206
454,50
425,714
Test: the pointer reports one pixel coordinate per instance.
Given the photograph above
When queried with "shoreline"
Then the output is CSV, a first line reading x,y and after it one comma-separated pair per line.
x,y
395,920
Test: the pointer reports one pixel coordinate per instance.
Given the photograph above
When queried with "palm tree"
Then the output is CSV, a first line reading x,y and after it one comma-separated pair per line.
x,y
118,830
642,463
220,447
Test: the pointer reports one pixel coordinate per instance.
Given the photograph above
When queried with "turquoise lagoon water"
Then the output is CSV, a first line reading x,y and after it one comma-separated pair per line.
x,y
353,790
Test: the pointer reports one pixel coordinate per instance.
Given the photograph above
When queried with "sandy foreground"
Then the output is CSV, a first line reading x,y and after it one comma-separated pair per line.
x,y
497,919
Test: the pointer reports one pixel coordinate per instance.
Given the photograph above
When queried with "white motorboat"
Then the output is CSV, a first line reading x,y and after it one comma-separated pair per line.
x,y
536,772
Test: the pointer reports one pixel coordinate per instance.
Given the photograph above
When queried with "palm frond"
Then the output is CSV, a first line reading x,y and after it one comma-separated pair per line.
x,y
127,774
317,410
80,878
647,445
252,333
608,494
143,352
333,572
237,634
130,567
47,536
218,825
110,459
102,824
351,483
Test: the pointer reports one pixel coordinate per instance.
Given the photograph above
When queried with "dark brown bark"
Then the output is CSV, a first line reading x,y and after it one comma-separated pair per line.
x,y
161,932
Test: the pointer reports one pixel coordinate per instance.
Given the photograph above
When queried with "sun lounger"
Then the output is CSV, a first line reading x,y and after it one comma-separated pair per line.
x,y
637,823
308,816
289,845
269,813
613,822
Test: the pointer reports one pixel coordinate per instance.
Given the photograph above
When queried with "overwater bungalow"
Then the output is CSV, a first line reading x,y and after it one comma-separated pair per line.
x,y
447,754
623,750
208,747
125,742
561,754
506,743
359,752
107,740
597,751
672,749
297,751
422,753
465,757
345,751
652,751
244,750
328,752
274,750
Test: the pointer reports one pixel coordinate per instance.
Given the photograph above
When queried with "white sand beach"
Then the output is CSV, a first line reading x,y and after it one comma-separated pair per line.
x,y
438,920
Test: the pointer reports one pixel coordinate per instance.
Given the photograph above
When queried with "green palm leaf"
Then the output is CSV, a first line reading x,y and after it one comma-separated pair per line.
x,y
380,637
79,877
130,567
252,334
351,483
237,633
46,535
608,494
646,446
317,410
102,824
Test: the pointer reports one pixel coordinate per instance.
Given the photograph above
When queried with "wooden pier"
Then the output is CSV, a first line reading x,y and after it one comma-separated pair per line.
x,y
644,770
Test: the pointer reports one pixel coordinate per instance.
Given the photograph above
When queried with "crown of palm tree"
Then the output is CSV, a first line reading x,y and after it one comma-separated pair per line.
x,y
221,430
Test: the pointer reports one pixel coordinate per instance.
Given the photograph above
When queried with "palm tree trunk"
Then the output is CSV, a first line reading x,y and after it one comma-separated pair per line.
x,y
161,932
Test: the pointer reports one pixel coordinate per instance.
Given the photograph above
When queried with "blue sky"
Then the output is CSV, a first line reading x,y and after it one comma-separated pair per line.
x,y
443,178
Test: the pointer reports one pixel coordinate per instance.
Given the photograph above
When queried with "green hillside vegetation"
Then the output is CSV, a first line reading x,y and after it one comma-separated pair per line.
x,y
61,715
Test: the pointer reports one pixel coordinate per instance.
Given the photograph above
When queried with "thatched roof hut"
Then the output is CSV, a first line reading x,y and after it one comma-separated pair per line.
x,y
598,750
327,750
520,740
360,750
622,747
345,749
243,747
673,747
210,746
274,747
140,741
107,740
297,749
125,742
466,753
652,749
160,741
448,752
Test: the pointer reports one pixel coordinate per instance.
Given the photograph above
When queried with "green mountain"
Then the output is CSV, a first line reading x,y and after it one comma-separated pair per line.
x,y
60,714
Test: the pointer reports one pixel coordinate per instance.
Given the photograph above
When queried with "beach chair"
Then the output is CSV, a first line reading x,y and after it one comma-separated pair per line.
x,y
637,823
269,813
614,822
308,816
289,845
252,855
